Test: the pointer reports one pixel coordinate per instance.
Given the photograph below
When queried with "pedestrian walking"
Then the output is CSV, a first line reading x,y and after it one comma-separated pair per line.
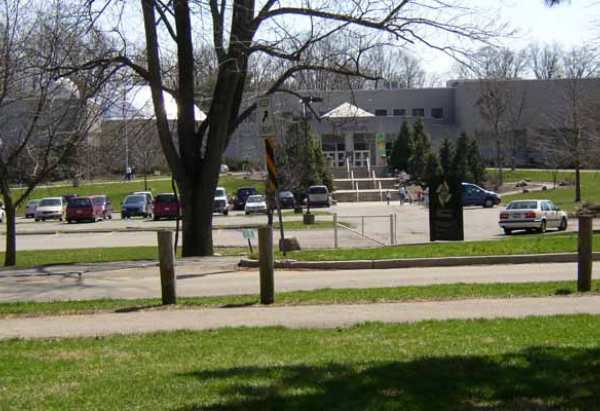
x,y
402,194
128,173
388,196
133,173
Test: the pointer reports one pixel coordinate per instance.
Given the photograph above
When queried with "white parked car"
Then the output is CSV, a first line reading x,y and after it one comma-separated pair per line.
x,y
50,208
318,195
31,207
256,204
220,202
535,215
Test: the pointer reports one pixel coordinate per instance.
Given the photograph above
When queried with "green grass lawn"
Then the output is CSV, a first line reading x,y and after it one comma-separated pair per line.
x,y
526,244
29,258
545,363
563,197
118,191
438,292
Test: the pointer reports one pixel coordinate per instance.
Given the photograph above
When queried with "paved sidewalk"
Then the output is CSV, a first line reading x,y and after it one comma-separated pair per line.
x,y
324,316
218,276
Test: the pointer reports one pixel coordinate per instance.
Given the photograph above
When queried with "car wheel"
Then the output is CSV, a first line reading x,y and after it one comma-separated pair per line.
x,y
507,231
563,224
247,213
488,203
542,228
226,212
60,218
37,219
156,218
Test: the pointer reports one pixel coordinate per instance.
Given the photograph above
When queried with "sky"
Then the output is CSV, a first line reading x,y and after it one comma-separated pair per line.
x,y
570,24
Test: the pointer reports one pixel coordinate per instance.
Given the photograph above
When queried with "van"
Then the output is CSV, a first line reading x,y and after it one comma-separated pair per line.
x,y
318,195
81,209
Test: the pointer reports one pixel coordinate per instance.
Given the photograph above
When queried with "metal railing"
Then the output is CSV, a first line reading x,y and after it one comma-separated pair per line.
x,y
393,225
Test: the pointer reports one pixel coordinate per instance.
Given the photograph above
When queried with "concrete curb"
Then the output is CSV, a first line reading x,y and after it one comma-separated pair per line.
x,y
423,262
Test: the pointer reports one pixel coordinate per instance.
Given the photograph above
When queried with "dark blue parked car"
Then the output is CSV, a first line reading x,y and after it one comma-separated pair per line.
x,y
475,195
136,205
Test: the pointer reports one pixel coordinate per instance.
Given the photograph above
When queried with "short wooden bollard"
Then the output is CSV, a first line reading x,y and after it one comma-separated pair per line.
x,y
166,256
584,269
267,264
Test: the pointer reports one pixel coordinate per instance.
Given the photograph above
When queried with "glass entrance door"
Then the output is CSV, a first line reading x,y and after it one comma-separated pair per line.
x,y
336,158
361,158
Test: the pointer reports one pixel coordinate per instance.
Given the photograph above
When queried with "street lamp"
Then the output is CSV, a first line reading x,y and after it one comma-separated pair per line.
x,y
305,101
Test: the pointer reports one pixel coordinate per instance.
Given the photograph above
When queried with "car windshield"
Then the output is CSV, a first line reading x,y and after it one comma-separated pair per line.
x,y
99,200
135,199
256,200
48,202
79,202
165,199
220,193
522,205
33,202
317,190
286,194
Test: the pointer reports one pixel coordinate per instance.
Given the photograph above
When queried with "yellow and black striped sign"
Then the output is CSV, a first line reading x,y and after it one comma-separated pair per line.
x,y
271,167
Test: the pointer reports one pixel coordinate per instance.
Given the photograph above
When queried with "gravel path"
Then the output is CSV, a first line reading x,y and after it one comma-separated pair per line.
x,y
329,316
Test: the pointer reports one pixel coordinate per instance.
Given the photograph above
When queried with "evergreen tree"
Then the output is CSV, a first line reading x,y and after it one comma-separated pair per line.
x,y
421,149
433,170
402,149
475,165
446,154
459,164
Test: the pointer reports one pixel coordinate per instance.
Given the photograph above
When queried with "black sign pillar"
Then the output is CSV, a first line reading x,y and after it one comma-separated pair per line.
x,y
445,210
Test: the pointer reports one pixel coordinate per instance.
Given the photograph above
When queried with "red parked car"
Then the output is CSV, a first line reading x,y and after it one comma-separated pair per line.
x,y
103,206
80,209
165,206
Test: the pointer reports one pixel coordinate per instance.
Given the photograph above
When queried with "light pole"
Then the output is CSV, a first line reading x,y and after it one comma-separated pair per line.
x,y
306,103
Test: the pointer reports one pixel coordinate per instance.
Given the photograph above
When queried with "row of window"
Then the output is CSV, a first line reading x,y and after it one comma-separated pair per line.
x,y
416,112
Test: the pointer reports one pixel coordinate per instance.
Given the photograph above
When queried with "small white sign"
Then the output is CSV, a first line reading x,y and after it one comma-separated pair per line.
x,y
248,234
266,126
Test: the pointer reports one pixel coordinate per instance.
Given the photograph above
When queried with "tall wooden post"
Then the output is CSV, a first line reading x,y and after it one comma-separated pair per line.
x,y
266,262
584,272
166,256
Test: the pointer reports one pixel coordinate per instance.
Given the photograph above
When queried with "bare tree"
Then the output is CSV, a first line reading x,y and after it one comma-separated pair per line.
x,y
500,107
545,60
286,33
572,139
44,119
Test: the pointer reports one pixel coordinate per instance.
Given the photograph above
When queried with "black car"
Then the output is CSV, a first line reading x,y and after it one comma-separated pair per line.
x,y
241,195
286,199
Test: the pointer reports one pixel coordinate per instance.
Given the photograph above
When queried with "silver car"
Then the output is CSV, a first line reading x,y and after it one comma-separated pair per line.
x,y
535,215
256,204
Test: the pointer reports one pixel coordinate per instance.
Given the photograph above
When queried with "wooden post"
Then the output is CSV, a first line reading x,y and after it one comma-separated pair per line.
x,y
584,273
335,231
266,262
166,256
392,242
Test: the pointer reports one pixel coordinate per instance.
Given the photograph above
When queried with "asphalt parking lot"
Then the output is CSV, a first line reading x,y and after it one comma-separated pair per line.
x,y
370,219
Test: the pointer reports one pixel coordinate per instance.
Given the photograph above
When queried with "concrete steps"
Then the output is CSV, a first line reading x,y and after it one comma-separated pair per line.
x,y
352,196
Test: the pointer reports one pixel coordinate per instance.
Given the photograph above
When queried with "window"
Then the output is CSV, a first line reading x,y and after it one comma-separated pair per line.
x,y
360,146
418,112
437,112
399,112
381,112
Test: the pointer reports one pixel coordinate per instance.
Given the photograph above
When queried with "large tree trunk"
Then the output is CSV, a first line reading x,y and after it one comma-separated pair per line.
x,y
10,257
197,221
